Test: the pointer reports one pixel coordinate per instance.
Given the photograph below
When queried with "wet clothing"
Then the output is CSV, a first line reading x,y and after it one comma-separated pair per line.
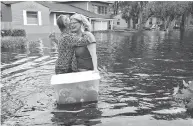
x,y
66,47
83,57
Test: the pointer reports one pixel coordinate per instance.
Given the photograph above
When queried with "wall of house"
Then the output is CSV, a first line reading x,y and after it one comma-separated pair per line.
x,y
18,20
122,25
53,28
97,4
151,19
154,20
84,4
79,4
6,13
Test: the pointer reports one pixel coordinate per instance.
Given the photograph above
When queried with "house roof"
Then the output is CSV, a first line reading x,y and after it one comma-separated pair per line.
x,y
64,7
10,2
106,2
70,8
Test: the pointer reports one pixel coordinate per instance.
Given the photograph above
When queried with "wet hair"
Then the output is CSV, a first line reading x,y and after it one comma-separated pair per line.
x,y
63,22
82,19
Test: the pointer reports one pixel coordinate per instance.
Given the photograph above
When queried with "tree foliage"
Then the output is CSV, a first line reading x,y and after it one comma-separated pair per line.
x,y
165,10
171,9
131,9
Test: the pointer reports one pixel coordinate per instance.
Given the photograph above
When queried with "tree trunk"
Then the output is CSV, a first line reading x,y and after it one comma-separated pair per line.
x,y
131,23
167,23
171,25
182,26
134,24
188,21
128,23
140,21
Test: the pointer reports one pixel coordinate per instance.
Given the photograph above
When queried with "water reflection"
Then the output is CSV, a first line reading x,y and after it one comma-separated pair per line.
x,y
138,73
77,114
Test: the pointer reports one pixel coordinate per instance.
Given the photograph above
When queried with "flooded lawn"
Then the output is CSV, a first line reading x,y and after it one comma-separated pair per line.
x,y
138,72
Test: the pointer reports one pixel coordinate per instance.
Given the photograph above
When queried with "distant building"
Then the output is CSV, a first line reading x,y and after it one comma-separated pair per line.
x,y
151,21
40,17
98,7
119,22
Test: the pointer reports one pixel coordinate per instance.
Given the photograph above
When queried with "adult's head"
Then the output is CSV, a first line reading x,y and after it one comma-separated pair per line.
x,y
79,23
63,22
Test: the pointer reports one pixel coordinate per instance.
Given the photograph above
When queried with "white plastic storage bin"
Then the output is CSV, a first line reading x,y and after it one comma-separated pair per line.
x,y
76,87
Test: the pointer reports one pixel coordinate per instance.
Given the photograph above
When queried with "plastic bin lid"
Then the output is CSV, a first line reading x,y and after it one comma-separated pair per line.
x,y
74,77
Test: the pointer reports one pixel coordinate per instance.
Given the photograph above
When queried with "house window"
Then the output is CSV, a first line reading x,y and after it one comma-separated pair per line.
x,y
32,17
150,21
105,10
100,9
191,22
95,9
118,22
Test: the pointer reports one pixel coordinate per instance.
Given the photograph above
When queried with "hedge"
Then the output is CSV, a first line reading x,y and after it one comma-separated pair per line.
x,y
35,46
13,42
13,32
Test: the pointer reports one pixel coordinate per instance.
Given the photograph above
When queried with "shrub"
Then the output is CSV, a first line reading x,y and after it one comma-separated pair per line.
x,y
36,46
13,32
13,42
6,33
18,32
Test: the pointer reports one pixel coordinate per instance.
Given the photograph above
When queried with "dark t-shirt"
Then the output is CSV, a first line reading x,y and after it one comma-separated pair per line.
x,y
83,57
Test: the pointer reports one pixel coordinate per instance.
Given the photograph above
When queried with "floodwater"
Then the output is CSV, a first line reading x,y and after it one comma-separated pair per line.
x,y
138,72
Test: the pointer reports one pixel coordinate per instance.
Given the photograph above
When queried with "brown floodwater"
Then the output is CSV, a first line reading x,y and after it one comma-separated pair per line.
x,y
138,72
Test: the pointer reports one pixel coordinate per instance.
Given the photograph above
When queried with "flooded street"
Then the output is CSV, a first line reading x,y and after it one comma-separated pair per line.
x,y
138,72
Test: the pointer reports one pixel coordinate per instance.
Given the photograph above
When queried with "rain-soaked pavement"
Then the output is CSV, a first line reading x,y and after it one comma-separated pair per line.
x,y
138,72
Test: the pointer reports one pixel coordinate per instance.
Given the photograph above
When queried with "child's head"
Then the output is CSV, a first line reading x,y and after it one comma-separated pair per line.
x,y
63,22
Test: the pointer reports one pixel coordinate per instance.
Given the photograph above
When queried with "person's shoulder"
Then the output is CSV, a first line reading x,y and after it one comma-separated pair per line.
x,y
65,36
90,35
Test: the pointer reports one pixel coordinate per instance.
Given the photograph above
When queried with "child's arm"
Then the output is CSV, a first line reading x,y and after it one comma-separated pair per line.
x,y
52,37
79,41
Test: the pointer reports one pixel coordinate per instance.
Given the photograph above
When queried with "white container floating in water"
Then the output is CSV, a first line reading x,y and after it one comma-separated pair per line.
x,y
76,87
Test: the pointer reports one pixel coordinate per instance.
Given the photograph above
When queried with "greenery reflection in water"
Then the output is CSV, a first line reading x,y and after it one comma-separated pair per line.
x,y
138,70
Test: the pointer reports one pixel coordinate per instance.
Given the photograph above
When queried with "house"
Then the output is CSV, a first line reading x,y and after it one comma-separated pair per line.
x,y
101,8
119,22
40,17
151,21
98,7
5,15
